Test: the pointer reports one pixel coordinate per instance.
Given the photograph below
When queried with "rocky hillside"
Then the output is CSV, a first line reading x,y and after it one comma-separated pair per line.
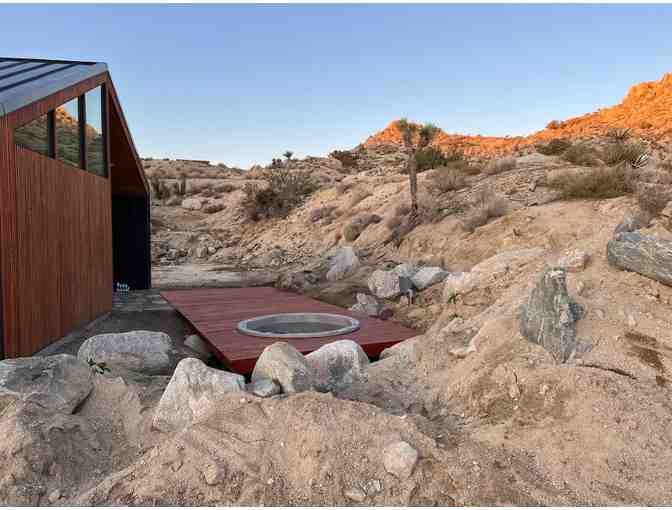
x,y
646,111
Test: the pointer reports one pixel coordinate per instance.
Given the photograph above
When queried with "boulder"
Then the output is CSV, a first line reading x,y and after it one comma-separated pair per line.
x,y
191,391
367,305
406,270
197,344
344,263
400,459
384,284
574,261
643,254
549,316
337,365
146,352
264,388
629,224
283,363
192,204
428,276
57,383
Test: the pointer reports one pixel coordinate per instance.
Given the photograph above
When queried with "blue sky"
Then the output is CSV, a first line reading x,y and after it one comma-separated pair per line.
x,y
241,84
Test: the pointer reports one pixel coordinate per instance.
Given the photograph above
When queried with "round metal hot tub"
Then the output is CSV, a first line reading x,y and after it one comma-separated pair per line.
x,y
298,325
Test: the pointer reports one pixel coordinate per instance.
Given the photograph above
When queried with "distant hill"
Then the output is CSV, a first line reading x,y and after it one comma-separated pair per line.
x,y
646,110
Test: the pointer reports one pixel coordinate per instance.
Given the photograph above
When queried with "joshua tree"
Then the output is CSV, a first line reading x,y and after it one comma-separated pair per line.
x,y
288,155
425,134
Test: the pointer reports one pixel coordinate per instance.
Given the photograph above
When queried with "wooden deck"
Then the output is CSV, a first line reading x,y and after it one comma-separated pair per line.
x,y
215,313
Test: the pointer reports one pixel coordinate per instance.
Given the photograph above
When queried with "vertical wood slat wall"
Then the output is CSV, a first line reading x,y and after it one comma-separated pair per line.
x,y
55,238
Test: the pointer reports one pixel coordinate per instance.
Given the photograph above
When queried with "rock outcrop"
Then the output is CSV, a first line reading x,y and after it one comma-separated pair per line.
x,y
57,383
344,263
549,317
145,352
193,388
385,284
337,365
282,363
643,254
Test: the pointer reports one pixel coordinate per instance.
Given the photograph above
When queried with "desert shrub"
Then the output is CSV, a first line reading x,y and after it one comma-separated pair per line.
x,y
359,195
446,179
347,158
622,152
500,165
213,208
581,154
323,213
355,228
428,158
602,182
554,124
285,190
619,134
225,188
485,206
554,147
652,200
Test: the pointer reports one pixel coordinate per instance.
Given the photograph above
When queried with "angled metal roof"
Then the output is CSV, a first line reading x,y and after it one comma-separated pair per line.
x,y
24,81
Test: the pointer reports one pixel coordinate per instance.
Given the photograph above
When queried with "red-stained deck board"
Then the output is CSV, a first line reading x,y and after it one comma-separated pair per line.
x,y
215,313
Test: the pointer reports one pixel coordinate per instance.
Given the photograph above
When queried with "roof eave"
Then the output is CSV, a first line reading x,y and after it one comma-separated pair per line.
x,y
44,87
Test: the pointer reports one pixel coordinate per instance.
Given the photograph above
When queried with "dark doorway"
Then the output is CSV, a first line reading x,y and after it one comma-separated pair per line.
x,y
131,241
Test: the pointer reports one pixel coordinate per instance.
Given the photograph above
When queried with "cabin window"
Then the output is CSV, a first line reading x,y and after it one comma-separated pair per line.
x,y
74,133
95,142
34,135
68,134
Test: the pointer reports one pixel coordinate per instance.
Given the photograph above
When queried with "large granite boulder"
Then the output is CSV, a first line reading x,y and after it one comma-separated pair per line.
x,y
643,254
193,389
56,383
146,352
549,317
428,276
344,263
338,364
282,363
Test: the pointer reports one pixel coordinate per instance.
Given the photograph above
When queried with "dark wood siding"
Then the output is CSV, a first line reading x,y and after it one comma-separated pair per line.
x,y
56,256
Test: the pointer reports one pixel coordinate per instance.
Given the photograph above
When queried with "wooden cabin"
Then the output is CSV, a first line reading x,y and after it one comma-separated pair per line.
x,y
74,201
